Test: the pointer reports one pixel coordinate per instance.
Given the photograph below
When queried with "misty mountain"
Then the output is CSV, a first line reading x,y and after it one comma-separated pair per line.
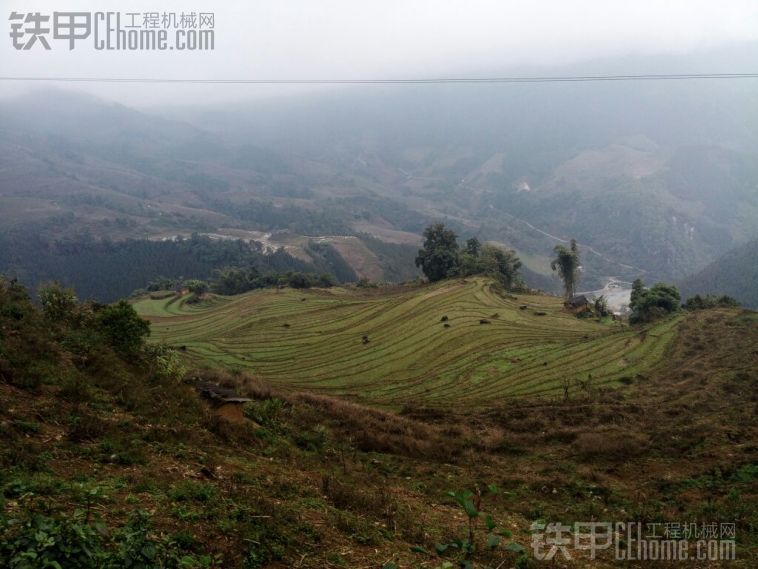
x,y
654,179
734,274
658,176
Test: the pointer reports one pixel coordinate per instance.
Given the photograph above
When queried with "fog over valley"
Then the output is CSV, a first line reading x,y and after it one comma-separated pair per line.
x,y
378,284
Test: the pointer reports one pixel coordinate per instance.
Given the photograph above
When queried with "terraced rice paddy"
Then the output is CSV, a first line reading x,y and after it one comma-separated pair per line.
x,y
313,340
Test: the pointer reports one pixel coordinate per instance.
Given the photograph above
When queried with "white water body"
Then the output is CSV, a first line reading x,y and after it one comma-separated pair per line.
x,y
618,294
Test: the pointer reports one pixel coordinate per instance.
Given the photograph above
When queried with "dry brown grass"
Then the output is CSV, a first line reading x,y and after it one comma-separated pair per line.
x,y
374,430
666,447
640,451
610,444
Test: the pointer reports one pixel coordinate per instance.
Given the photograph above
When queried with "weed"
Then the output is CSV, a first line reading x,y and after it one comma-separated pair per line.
x,y
467,546
27,427
190,490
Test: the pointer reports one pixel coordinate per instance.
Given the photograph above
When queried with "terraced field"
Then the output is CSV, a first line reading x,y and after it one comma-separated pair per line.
x,y
314,340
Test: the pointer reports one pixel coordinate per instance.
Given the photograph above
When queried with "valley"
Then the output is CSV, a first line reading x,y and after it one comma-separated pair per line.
x,y
620,168
380,285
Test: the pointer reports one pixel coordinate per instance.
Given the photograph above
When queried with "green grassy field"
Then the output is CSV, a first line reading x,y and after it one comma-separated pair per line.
x,y
313,340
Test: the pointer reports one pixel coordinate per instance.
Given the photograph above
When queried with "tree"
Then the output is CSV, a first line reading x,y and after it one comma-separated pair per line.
x,y
234,280
197,287
473,246
638,289
438,258
467,265
59,304
653,303
601,306
325,280
500,264
662,295
122,327
566,262
698,302
299,280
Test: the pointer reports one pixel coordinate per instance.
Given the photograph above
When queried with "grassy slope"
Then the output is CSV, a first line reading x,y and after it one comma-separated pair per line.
x,y
324,483
313,340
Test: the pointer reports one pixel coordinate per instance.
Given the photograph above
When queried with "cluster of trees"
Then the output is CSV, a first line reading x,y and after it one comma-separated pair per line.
x,y
326,259
118,325
648,304
74,349
699,302
269,216
237,280
600,307
64,339
442,257
106,270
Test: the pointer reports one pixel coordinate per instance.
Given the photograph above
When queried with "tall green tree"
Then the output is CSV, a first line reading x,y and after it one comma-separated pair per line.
x,y
566,262
500,264
438,258
638,289
473,246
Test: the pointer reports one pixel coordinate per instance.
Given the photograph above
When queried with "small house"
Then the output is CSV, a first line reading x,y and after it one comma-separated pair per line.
x,y
577,303
226,403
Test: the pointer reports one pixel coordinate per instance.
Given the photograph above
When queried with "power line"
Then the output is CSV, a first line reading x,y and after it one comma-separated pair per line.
x,y
406,81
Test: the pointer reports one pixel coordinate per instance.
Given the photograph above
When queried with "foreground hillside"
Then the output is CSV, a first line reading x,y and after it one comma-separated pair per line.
x,y
108,460
461,341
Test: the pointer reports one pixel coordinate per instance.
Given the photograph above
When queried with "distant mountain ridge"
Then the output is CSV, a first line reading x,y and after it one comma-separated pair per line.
x,y
654,179
734,274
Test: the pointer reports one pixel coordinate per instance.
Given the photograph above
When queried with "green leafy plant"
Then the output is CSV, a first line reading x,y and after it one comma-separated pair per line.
x,y
137,548
43,542
478,522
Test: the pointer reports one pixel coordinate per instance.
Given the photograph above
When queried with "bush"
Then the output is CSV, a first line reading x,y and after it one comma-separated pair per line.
x,y
28,354
41,541
124,451
650,304
86,427
71,541
197,287
137,548
59,304
75,387
164,363
698,302
190,490
267,412
312,440
124,330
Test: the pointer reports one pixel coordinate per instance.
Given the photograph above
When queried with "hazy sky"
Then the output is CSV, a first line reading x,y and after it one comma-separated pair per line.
x,y
279,39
